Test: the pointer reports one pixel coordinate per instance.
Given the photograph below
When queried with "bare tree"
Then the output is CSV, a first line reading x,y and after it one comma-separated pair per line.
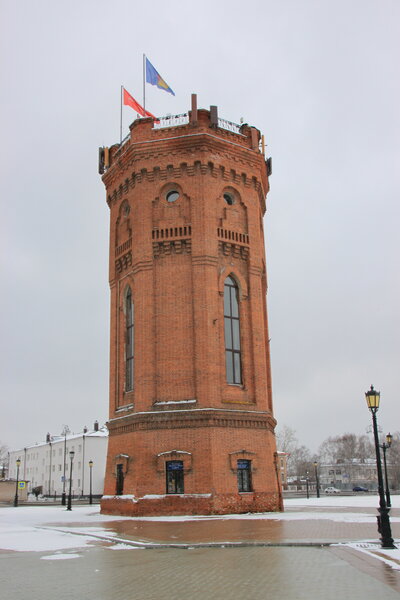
x,y
393,458
346,447
286,439
299,457
3,459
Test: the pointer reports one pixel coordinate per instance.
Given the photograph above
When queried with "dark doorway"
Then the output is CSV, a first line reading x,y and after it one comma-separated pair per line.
x,y
120,480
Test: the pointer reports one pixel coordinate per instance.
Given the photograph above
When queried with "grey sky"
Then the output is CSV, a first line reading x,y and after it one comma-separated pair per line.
x,y
319,78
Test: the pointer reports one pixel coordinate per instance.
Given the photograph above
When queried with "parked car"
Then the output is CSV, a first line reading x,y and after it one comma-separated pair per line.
x,y
359,488
332,490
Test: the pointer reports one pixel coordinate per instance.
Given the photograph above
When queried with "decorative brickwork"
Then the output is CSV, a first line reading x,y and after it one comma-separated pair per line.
x,y
186,212
123,262
171,247
236,250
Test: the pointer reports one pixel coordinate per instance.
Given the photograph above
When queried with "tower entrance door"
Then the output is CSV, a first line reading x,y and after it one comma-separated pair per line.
x,y
120,480
174,477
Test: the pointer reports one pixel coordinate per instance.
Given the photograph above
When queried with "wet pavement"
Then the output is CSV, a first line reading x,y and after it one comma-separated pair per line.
x,y
279,573
292,527
269,558
244,531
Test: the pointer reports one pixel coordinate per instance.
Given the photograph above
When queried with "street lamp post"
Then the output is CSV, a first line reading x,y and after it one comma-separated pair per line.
x,y
71,456
90,482
18,463
373,397
384,447
316,478
63,495
307,485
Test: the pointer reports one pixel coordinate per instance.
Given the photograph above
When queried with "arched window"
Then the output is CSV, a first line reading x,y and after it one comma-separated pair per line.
x,y
129,341
232,332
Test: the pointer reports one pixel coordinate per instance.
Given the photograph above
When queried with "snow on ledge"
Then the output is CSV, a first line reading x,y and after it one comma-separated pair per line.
x,y
154,496
174,451
175,402
122,497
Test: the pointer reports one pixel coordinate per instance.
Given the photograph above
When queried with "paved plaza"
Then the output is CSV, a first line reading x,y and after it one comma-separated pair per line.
x,y
294,555
213,573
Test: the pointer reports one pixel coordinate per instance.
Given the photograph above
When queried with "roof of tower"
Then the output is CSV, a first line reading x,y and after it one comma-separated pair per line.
x,y
180,135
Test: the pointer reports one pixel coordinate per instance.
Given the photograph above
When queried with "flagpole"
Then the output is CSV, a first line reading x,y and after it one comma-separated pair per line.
x,y
120,127
144,82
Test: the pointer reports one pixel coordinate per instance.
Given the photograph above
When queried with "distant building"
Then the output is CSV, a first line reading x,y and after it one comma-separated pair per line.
x,y
344,475
282,468
45,466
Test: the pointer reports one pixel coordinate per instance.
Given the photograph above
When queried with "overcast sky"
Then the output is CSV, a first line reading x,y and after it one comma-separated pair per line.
x,y
319,78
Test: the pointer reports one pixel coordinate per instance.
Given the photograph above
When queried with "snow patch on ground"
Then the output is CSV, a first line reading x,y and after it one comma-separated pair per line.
x,y
363,501
52,528
389,557
60,556
124,547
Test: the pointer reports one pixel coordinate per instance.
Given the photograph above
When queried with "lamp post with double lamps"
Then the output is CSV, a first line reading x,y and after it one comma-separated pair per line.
x,y
316,478
18,463
71,456
384,447
373,398
90,482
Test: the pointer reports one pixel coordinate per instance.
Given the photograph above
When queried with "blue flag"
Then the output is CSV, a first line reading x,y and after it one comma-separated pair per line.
x,y
153,77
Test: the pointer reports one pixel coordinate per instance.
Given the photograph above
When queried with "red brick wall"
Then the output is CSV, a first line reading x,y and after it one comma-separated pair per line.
x,y
176,257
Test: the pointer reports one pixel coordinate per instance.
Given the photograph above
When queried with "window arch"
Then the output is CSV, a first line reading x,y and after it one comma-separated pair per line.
x,y
129,340
233,367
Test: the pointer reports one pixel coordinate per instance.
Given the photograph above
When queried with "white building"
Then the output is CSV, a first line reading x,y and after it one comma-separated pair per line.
x,y
344,474
46,465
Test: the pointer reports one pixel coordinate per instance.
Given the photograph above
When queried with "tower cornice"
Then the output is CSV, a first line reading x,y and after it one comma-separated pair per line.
x,y
197,417
120,186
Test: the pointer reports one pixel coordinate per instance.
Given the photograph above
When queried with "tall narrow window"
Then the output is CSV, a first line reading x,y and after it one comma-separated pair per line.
x,y
232,332
244,475
119,488
174,476
129,343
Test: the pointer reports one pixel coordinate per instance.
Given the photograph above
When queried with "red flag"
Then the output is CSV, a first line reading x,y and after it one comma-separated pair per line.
x,y
130,101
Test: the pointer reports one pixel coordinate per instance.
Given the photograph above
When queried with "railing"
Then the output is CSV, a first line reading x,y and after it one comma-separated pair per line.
x,y
233,236
171,232
125,246
183,119
176,120
229,126
172,121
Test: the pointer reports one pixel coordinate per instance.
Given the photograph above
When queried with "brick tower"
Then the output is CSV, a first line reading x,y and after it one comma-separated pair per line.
x,y
191,427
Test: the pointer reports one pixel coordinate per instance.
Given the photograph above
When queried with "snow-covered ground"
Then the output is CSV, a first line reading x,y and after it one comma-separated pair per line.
x,y
52,528
331,500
